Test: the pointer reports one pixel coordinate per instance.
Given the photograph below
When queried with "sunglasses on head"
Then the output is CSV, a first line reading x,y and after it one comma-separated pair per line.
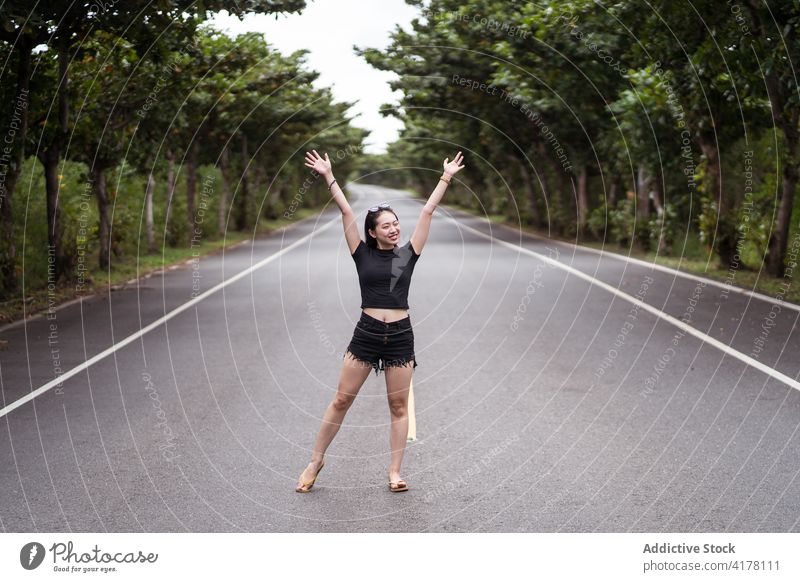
x,y
379,207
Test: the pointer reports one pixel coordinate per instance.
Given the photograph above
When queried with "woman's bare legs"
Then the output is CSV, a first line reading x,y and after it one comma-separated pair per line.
x,y
353,375
398,382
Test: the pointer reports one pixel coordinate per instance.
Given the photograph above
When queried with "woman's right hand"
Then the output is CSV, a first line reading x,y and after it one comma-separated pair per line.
x,y
452,168
318,164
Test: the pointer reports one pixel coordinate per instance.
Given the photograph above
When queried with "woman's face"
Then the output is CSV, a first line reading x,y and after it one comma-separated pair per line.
x,y
387,229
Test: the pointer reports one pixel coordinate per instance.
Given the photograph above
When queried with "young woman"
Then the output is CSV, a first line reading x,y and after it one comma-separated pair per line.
x,y
383,339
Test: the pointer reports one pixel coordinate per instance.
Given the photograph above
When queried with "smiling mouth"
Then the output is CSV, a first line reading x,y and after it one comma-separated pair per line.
x,y
393,236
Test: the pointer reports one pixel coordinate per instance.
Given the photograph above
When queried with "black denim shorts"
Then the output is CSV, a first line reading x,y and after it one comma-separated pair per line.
x,y
383,344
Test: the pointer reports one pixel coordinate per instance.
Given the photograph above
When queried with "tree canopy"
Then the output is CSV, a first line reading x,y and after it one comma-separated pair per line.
x,y
615,121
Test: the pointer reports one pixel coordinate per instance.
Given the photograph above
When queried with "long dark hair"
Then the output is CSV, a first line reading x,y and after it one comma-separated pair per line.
x,y
370,222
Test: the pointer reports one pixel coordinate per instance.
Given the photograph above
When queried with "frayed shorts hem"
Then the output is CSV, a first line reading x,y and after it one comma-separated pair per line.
x,y
380,364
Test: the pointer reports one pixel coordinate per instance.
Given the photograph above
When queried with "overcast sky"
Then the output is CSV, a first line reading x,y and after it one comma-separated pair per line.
x,y
329,29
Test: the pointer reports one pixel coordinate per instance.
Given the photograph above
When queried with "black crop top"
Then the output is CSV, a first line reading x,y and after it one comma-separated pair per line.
x,y
385,275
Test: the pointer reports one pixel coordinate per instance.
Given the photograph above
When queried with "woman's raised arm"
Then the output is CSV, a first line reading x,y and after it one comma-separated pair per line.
x,y
322,166
424,223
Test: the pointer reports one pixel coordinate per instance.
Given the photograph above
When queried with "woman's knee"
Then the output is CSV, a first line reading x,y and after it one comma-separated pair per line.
x,y
341,402
398,407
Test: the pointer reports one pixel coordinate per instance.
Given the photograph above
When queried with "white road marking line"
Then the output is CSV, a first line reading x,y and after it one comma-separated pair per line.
x,y
657,267
657,312
412,417
181,308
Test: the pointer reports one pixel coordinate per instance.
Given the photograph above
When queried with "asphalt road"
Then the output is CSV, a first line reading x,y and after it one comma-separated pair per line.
x,y
543,402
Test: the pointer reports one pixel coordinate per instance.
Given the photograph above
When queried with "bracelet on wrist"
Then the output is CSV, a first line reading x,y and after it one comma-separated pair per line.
x,y
331,184
445,181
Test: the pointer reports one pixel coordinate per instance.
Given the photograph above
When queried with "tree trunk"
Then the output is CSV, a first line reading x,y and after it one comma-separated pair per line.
x,y
662,225
169,229
655,188
13,166
268,203
421,188
547,194
286,187
191,190
148,213
101,195
583,199
530,190
642,194
643,180
63,120
779,238
612,192
271,204
224,194
780,90
564,195
725,237
242,220
50,158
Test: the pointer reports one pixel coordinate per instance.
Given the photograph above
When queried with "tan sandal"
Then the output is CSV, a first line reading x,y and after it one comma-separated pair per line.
x,y
398,486
309,484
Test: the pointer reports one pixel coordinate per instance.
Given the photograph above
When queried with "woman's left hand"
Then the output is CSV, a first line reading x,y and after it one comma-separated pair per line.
x,y
452,168
319,164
